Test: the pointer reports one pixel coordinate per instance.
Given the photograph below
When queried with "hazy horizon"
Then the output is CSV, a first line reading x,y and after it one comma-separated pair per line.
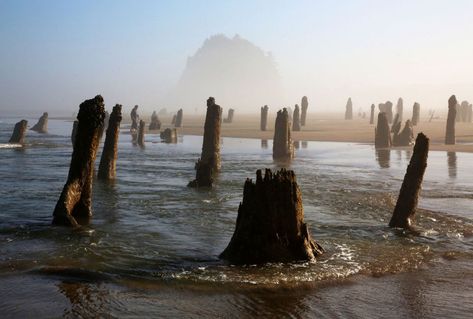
x,y
55,54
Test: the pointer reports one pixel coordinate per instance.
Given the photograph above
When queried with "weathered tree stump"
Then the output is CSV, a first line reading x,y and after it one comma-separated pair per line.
x,y
74,131
107,167
452,112
296,122
105,124
382,135
74,206
283,148
42,125
405,137
415,114
155,122
264,117
270,224
19,131
349,110
229,118
209,162
406,205
464,111
304,106
135,119
388,106
372,114
470,110
400,108
140,140
173,121
396,124
178,119
169,135
458,113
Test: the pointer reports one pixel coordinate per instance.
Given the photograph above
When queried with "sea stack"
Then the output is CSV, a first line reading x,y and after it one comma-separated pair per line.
x,y
229,118
372,114
382,137
415,114
349,110
155,123
270,224
169,135
400,108
110,147
135,119
74,206
296,121
452,113
209,162
42,125
264,117
304,106
406,205
178,122
140,140
283,148
19,132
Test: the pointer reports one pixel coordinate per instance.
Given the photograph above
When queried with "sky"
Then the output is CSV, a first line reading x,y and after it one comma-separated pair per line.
x,y
55,54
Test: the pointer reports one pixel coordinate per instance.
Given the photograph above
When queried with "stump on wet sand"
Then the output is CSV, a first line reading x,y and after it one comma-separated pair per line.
x,y
406,205
229,118
140,139
264,117
452,112
42,125
415,114
296,122
155,123
169,135
382,135
178,122
372,114
304,106
349,110
107,167
283,148
270,224
19,131
74,206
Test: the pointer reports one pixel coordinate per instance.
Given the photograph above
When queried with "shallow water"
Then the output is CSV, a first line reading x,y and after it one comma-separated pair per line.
x,y
152,246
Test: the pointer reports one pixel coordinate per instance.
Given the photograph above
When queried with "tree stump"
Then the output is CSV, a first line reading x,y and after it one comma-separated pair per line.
x,y
415,114
400,108
74,206
304,106
264,117
155,122
406,205
178,122
107,167
296,122
19,132
382,137
405,137
283,148
229,118
42,125
349,110
140,140
270,224
388,106
135,119
169,135
372,114
452,113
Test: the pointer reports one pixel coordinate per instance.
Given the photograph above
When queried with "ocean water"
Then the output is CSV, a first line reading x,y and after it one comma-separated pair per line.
x,y
151,249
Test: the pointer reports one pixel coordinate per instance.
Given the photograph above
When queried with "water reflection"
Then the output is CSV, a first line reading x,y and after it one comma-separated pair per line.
x,y
84,299
452,164
264,144
304,144
383,156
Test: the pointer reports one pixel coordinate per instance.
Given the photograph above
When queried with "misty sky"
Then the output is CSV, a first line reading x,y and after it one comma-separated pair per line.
x,y
55,54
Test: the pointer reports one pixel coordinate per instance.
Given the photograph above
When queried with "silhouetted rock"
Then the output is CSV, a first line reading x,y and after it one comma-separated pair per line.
x,y
155,122
19,132
74,206
282,143
406,137
140,140
264,118
415,114
270,224
178,122
296,122
169,135
304,106
349,110
110,147
229,118
372,114
42,125
382,135
400,108
135,118
406,205
452,113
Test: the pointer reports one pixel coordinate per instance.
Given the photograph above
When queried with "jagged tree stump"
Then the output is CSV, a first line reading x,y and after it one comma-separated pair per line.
x,y
388,106
264,117
229,118
396,124
372,114
178,122
400,108
135,119
382,137
155,122
349,110
140,140
296,122
42,125
452,112
74,206
105,124
19,131
169,135
405,137
304,106
270,224
415,114
283,148
107,167
406,205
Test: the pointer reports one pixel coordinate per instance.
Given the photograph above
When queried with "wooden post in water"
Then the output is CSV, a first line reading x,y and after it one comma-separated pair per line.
x,y
178,119
304,106
283,148
74,206
296,122
270,224
452,113
372,114
229,118
406,205
264,117
169,135
415,114
382,136
134,119
400,108
42,125
141,134
155,123
110,147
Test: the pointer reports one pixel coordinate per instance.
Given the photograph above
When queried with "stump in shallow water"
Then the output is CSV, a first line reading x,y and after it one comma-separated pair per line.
x,y
283,148
110,147
304,106
405,137
169,135
408,196
229,118
140,139
349,110
135,119
388,106
74,131
382,136
372,114
400,109
296,122
155,122
74,206
452,112
19,132
415,114
209,162
178,121
42,125
270,224
264,118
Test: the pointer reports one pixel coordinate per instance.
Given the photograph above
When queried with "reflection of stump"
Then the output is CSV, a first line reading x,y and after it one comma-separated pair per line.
x,y
75,203
383,156
304,106
74,131
155,122
135,118
282,143
19,132
415,113
264,144
349,110
169,135
209,162
382,135
372,114
264,118
229,118
42,125
400,108
270,224
178,122
408,196
452,109
452,164
296,122
140,139
110,148
405,137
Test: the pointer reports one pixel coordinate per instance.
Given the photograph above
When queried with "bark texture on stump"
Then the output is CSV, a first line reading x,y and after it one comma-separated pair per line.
x,y
283,148
107,167
264,118
405,137
178,119
415,114
74,206
400,108
349,110
74,131
140,139
19,131
406,205
304,106
135,118
229,118
296,121
42,125
452,112
372,114
209,162
270,224
382,135
155,123
169,135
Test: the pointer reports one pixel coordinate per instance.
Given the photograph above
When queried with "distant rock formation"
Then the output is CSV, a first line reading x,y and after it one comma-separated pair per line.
x,y
42,125
382,137
349,110
283,148
19,132
415,114
296,122
304,106
155,123
451,118
264,118
107,167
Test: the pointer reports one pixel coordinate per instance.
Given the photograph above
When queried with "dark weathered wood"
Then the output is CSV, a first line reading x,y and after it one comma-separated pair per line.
x,y
42,125
264,118
169,135
415,114
405,137
382,135
19,131
452,113
135,119
140,140
74,131
400,109
155,123
179,115
283,148
296,122
107,167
